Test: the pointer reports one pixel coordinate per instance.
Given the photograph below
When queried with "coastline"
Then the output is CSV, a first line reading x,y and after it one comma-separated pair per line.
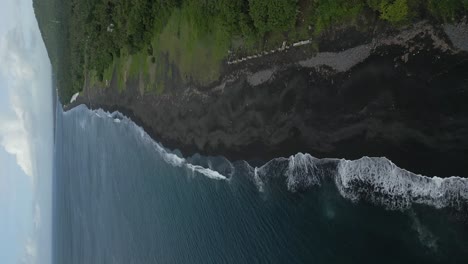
x,y
393,100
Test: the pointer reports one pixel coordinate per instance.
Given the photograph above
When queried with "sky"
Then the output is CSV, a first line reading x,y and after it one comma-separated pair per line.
x,y
26,137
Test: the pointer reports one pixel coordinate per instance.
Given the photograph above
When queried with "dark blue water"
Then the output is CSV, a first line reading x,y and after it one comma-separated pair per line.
x,y
122,198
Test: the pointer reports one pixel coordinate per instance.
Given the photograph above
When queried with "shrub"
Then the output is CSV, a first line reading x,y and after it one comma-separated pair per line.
x,y
395,12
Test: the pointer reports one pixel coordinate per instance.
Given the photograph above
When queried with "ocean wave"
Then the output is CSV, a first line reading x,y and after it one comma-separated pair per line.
x,y
174,160
371,179
383,183
166,155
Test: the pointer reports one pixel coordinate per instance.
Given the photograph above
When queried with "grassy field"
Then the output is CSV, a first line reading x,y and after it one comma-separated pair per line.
x,y
198,55
127,66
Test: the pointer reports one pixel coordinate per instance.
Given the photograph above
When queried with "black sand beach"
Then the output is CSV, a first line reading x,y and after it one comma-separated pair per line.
x,y
402,95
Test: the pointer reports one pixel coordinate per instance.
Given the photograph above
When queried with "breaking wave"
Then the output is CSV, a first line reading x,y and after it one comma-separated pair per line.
x,y
382,182
169,157
371,179
376,180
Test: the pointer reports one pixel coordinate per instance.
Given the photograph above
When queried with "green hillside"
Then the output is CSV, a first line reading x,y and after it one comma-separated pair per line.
x,y
95,39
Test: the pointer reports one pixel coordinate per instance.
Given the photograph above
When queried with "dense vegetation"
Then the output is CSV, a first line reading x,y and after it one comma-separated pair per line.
x,y
53,20
146,38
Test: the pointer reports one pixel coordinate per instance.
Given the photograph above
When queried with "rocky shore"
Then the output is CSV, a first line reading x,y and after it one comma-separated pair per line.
x,y
399,94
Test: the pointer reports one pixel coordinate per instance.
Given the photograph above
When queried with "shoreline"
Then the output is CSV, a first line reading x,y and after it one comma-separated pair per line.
x,y
371,108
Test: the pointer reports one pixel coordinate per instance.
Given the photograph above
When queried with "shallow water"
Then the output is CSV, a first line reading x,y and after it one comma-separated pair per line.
x,y
120,197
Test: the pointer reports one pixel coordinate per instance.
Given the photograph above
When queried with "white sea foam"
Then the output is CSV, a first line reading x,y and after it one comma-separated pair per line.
x,y
212,174
258,181
375,180
302,172
74,97
167,156
382,182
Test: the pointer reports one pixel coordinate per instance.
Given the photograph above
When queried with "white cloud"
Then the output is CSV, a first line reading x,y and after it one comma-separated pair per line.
x,y
30,256
31,253
14,138
25,75
31,249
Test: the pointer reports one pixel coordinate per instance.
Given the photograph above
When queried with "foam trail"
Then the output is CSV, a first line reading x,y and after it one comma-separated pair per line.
x,y
258,181
426,237
169,158
212,174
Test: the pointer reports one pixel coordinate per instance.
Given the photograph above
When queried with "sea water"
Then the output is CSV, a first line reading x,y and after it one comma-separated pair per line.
x,y
120,197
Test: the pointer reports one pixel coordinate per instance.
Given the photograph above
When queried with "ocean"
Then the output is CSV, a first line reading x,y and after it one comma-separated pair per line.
x,y
120,197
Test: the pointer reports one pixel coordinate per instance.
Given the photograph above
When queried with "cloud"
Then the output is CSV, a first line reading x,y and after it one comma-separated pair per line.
x,y
37,216
30,256
23,70
14,138
31,249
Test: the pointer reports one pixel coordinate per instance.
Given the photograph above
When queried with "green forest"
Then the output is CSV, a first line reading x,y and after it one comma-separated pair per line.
x,y
94,40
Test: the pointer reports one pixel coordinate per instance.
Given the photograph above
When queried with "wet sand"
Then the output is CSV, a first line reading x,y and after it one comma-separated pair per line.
x,y
402,95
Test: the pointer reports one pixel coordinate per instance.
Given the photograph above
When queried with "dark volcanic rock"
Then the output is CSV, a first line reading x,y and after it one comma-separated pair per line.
x,y
407,103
